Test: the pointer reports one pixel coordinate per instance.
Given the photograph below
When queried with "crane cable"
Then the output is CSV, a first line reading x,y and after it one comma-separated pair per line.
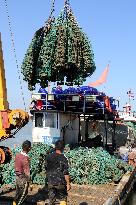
x,y
14,51
67,2
52,8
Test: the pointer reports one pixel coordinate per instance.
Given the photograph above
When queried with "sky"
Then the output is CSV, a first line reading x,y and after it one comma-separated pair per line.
x,y
109,24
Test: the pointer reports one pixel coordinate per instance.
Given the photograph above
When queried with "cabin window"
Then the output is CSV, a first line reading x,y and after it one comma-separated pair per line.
x,y
38,119
50,120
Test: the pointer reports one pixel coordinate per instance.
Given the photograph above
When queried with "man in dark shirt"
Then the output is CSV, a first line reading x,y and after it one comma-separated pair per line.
x,y
22,171
57,175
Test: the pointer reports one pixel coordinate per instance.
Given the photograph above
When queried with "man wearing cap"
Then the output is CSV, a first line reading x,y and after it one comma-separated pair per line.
x,y
22,171
57,175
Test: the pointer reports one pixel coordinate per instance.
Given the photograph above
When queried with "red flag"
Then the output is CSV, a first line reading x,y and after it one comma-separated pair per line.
x,y
102,78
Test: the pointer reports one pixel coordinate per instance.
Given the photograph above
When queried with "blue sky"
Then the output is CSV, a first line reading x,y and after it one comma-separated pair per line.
x,y
109,24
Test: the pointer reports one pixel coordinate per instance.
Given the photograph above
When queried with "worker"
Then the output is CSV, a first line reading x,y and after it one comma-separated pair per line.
x,y
22,171
56,165
132,157
123,152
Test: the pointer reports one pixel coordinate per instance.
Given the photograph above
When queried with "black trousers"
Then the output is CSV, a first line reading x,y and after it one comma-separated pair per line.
x,y
21,189
57,194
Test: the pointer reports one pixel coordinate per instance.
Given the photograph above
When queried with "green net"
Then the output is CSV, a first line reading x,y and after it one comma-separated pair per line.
x,y
87,166
59,49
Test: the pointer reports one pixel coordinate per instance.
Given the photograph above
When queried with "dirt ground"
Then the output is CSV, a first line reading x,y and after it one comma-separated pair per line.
x,y
78,195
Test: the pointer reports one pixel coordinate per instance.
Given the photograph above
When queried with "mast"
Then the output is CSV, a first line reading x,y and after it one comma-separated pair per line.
x,y
3,90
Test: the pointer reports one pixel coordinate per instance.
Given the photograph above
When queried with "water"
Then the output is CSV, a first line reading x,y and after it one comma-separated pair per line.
x,y
131,199
24,134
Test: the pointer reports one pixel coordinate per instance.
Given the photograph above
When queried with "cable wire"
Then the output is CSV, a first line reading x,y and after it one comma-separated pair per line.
x,y
52,8
14,51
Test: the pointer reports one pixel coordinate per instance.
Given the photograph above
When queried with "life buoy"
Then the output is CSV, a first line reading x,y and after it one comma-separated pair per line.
x,y
39,104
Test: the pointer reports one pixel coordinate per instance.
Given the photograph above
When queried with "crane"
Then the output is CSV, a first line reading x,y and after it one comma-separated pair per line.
x,y
11,121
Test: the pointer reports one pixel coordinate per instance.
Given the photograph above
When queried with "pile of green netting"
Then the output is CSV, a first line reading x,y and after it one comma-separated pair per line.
x,y
58,49
87,166
95,166
37,155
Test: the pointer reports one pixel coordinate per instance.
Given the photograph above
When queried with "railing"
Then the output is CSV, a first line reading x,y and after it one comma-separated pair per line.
x,y
79,103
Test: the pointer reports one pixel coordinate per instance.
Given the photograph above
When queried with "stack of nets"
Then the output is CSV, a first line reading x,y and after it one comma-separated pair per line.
x,y
59,49
37,155
87,166
95,166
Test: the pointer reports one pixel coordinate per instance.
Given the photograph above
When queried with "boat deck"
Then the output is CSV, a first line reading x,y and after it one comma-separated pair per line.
x,y
108,194
79,194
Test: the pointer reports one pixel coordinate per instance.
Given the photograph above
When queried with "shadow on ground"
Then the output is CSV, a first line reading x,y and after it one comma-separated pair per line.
x,y
35,195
